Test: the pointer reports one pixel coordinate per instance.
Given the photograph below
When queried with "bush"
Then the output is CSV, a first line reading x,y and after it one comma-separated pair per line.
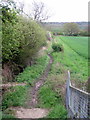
x,y
31,37
57,47
21,37
57,33
84,33
9,44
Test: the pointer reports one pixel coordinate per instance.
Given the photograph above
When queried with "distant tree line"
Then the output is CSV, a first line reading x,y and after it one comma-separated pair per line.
x,y
72,29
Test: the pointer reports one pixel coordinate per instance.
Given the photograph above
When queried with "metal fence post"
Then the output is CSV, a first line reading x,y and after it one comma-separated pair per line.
x,y
68,92
77,101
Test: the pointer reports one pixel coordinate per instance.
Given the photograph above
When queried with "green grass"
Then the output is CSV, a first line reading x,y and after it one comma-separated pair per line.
x,y
14,97
74,62
78,44
50,99
51,94
30,74
7,116
0,114
58,112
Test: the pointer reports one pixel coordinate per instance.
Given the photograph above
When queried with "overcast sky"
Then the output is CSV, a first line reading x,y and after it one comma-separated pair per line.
x,y
63,10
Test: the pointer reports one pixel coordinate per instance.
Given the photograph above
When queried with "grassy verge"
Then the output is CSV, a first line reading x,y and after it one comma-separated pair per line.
x,y
50,99
16,96
30,74
52,93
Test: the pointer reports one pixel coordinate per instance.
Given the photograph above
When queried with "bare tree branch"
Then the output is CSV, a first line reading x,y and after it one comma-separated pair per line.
x,y
39,11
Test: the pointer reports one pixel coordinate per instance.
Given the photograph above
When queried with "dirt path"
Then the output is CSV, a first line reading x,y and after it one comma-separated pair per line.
x,y
30,110
23,113
41,80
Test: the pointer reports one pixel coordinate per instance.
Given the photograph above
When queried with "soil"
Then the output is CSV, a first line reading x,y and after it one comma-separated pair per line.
x,y
30,113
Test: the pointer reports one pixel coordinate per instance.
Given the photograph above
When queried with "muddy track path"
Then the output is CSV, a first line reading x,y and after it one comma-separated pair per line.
x,y
30,110
34,92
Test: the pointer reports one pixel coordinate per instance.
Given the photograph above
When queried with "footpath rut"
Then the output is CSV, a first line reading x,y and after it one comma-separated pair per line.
x,y
41,80
31,110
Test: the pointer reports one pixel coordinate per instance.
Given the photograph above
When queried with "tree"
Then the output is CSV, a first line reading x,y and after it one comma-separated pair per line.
x,y
71,29
21,36
21,40
39,11
9,19
31,37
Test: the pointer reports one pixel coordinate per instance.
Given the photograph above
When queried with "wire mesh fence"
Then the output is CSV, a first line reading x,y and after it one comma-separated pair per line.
x,y
77,101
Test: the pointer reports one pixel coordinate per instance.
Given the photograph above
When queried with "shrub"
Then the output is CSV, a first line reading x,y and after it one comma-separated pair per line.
x,y
57,33
57,47
21,37
31,37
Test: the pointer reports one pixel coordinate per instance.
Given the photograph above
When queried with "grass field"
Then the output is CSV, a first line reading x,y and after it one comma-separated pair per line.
x,y
71,60
78,44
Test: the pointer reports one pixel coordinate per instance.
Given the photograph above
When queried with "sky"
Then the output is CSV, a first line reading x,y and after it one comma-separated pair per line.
x,y
63,10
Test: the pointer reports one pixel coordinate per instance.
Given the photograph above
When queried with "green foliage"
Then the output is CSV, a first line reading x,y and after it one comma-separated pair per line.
x,y
57,47
31,37
58,111
7,116
15,97
71,29
57,33
48,99
84,33
51,100
21,37
10,46
8,15
9,43
30,74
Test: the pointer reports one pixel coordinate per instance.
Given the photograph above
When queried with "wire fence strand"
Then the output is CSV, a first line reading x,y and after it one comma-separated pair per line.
x,y
77,101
